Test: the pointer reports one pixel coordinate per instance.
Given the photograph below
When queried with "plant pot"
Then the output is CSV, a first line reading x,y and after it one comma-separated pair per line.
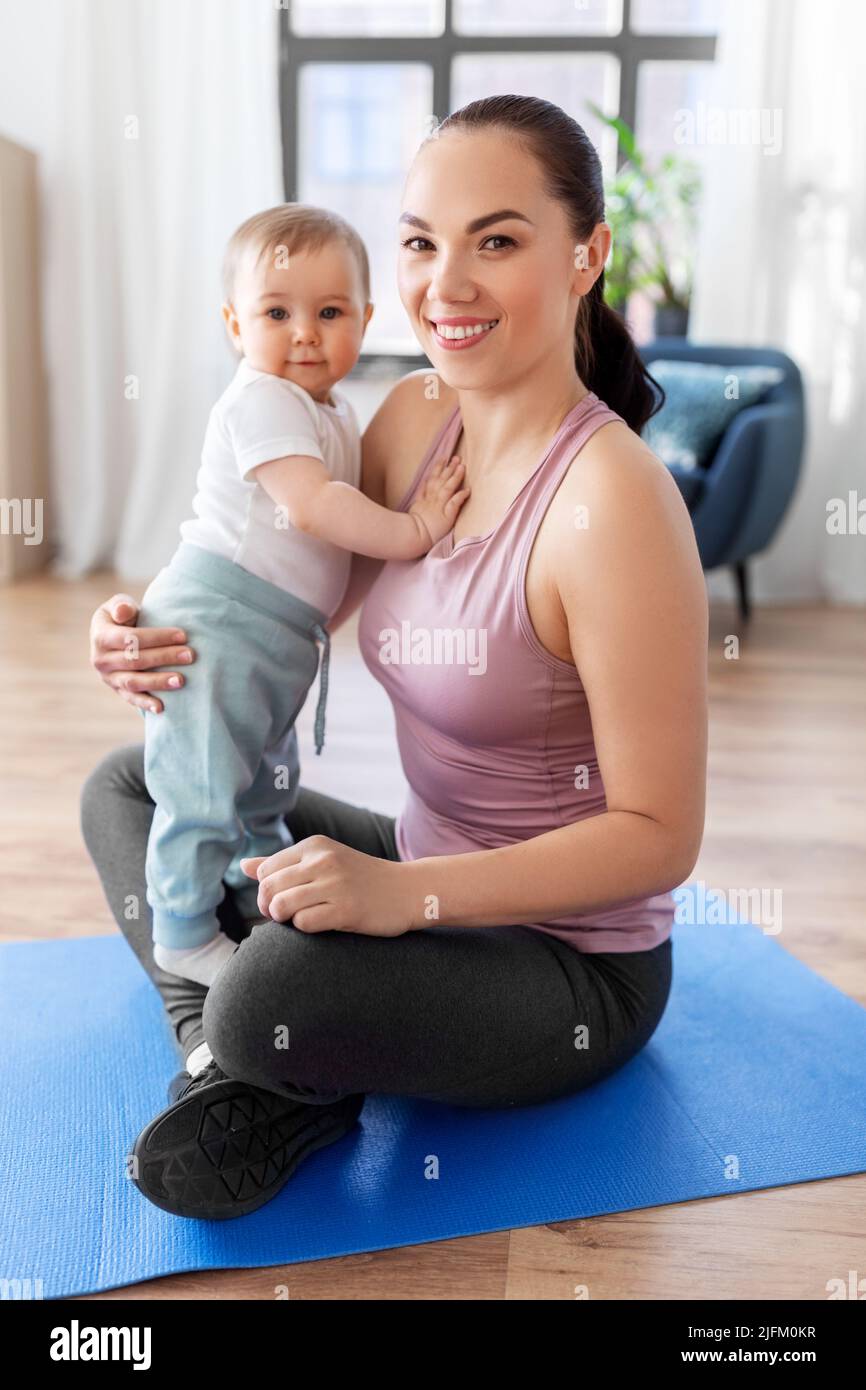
x,y
670,321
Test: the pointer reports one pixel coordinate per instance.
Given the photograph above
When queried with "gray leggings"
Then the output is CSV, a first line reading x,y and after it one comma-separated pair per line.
x,y
476,1016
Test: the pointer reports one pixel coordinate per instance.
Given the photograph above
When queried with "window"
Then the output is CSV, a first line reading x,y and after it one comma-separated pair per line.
x,y
362,82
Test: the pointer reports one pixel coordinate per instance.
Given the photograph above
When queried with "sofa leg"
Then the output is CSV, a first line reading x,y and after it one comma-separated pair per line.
x,y
745,602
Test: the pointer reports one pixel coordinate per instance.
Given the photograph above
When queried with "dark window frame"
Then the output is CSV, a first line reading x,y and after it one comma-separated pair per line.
x,y
438,51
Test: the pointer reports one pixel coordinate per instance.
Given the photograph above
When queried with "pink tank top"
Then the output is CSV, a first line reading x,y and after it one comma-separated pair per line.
x,y
494,731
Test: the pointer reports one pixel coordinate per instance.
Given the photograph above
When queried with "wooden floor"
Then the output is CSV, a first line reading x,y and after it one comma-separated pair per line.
x,y
786,809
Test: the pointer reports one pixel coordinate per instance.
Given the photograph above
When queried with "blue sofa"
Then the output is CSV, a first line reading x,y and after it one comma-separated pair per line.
x,y
737,503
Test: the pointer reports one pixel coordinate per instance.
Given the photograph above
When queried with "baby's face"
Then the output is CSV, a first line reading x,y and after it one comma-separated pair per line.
x,y
300,316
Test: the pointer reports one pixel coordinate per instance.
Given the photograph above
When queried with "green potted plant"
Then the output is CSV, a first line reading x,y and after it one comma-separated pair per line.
x,y
652,213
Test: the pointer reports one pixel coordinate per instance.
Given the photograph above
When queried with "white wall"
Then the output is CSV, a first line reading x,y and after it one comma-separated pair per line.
x,y
29,66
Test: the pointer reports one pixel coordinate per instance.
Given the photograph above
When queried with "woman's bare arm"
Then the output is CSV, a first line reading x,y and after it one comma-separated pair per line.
x,y
634,599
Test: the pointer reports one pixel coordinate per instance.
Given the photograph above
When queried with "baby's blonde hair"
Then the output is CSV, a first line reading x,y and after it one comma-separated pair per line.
x,y
297,227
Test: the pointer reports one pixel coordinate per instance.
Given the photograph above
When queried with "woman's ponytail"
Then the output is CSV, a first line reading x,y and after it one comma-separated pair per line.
x,y
609,364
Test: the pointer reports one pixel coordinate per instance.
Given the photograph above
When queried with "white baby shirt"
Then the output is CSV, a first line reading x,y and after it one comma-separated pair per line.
x,y
260,417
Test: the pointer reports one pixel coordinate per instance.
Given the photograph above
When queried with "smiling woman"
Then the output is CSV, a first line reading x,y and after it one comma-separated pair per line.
x,y
502,278
530,247
518,912
462,330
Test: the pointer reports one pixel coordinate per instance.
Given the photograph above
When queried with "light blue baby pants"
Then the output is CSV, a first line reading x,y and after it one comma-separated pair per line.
x,y
221,762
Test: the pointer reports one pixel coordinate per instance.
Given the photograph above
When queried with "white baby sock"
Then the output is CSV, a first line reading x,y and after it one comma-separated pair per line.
x,y
199,963
198,1059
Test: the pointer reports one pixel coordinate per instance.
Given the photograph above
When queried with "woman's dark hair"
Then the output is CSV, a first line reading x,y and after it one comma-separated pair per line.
x,y
606,358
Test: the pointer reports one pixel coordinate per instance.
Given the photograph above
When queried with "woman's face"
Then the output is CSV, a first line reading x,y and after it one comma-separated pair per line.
x,y
488,269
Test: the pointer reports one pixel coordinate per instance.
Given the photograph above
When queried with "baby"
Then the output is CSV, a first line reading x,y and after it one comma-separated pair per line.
x,y
261,570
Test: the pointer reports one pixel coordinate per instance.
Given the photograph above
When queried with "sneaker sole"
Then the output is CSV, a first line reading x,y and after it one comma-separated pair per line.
x,y
229,1148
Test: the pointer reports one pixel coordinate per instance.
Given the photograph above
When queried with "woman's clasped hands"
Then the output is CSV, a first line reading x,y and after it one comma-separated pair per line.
x,y
322,885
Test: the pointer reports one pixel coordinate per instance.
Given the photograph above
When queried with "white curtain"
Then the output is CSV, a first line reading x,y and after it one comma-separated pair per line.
x,y
169,138
781,259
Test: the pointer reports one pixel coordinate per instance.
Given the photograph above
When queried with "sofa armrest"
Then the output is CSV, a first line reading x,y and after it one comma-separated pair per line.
x,y
749,484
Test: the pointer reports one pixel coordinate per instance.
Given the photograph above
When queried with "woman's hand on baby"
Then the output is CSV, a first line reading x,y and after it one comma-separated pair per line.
x,y
440,500
120,651
323,885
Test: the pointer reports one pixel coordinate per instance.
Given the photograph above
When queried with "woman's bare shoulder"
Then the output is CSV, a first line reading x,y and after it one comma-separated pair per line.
x,y
622,495
616,465
400,433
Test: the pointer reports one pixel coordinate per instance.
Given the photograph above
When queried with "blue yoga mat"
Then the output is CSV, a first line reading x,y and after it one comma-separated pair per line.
x,y
754,1078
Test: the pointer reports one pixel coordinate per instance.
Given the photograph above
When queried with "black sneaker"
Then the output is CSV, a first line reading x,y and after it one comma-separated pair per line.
x,y
177,1086
224,1148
